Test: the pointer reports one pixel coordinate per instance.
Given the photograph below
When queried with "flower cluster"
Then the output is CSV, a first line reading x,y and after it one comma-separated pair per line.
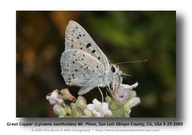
x,y
124,99
118,105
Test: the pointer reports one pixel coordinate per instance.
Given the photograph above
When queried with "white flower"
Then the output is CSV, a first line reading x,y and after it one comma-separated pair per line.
x,y
134,101
54,98
121,95
129,87
123,92
99,109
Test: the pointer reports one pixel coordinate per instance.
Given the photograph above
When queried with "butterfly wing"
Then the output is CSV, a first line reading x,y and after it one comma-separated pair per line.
x,y
80,68
77,38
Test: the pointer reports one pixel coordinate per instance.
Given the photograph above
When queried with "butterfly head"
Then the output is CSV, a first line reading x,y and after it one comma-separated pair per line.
x,y
115,69
116,77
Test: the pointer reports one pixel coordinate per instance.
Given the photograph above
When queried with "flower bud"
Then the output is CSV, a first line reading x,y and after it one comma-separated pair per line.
x,y
88,113
68,111
77,112
108,99
59,110
54,98
65,94
81,102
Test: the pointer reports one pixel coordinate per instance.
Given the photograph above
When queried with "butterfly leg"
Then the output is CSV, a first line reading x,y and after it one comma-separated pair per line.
x,y
109,89
102,99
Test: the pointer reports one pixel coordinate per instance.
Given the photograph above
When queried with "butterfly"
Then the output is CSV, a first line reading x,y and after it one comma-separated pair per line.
x,y
83,63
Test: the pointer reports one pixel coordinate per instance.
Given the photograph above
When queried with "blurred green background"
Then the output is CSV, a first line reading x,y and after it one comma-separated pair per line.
x,y
121,35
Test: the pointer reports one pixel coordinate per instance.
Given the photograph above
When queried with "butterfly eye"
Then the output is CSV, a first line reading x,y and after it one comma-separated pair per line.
x,y
113,69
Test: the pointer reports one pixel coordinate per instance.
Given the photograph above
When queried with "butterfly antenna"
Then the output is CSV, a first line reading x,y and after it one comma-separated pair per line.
x,y
134,61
